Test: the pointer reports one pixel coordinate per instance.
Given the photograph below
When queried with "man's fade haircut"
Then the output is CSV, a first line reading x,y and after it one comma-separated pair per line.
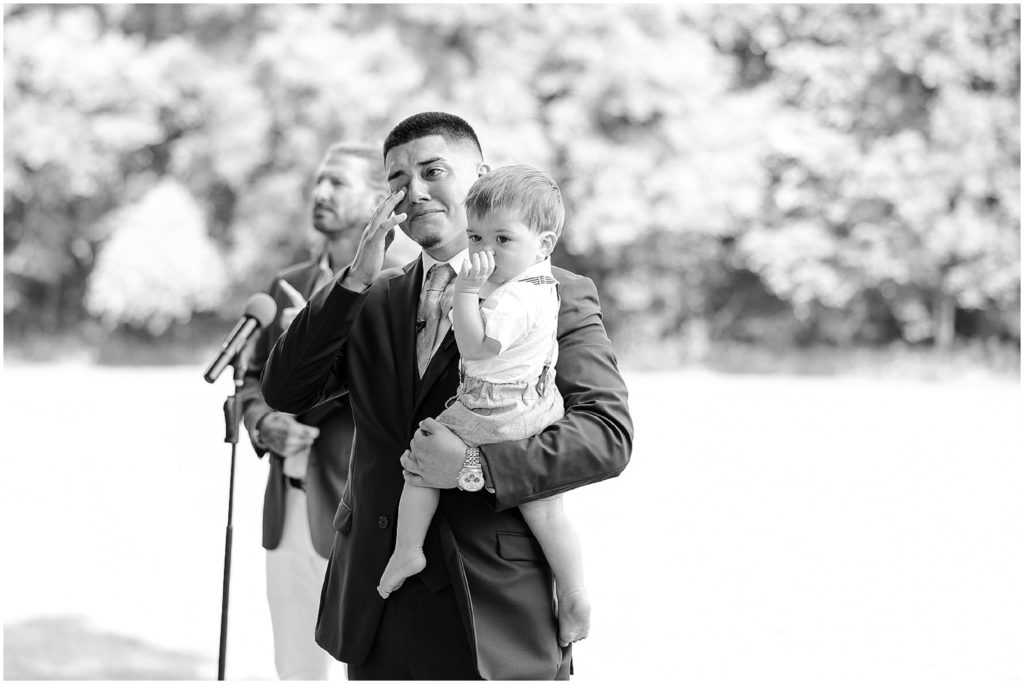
x,y
530,192
452,128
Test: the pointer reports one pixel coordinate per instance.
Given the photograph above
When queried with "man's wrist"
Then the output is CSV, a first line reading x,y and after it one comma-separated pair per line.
x,y
354,284
470,478
256,431
488,482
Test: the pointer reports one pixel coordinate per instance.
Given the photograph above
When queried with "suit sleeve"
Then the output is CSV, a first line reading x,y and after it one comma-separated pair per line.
x,y
305,367
594,440
253,405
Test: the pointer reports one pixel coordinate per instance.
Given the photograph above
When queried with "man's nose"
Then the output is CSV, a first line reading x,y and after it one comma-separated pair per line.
x,y
416,191
322,191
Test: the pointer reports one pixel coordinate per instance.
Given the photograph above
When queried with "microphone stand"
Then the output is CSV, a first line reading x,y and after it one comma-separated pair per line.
x,y
232,407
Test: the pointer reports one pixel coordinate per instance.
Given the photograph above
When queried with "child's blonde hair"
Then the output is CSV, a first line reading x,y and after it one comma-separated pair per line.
x,y
524,189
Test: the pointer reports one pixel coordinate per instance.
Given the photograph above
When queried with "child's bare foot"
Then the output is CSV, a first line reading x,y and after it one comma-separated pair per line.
x,y
404,563
573,616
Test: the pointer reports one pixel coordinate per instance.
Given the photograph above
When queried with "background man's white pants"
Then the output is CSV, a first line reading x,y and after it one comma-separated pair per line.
x,y
295,574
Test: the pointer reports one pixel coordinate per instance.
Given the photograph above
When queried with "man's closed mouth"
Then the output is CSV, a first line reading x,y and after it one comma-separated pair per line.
x,y
428,212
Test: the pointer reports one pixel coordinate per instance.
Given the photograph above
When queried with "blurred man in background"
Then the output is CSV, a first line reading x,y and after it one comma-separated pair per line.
x,y
309,452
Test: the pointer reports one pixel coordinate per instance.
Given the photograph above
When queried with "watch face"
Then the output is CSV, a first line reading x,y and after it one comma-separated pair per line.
x,y
471,480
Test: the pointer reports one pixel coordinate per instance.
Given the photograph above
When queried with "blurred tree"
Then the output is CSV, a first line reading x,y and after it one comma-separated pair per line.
x,y
81,117
182,271
780,174
905,182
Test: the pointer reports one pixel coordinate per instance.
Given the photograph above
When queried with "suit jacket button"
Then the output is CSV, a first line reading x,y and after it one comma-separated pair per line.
x,y
382,522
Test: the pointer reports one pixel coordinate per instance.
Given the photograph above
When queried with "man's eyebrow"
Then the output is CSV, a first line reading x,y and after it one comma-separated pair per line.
x,y
398,173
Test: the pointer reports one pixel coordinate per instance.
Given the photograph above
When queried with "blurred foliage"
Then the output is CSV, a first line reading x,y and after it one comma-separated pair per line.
x,y
181,272
776,174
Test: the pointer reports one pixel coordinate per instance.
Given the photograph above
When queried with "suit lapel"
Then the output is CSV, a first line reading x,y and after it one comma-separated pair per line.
x,y
445,355
312,274
403,301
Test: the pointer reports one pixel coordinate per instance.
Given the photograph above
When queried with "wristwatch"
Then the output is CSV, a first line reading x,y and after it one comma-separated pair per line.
x,y
471,477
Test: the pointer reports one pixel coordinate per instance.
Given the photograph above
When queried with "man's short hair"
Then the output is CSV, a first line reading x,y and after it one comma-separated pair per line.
x,y
452,128
521,188
361,150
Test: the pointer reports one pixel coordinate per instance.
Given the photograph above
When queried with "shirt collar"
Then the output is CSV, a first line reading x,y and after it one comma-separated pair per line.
x,y
542,267
455,262
325,261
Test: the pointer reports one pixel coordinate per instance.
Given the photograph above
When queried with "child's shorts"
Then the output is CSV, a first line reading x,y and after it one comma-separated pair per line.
x,y
486,412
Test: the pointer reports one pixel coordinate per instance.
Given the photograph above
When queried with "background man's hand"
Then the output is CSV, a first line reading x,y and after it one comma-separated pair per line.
x,y
435,456
289,313
369,259
284,435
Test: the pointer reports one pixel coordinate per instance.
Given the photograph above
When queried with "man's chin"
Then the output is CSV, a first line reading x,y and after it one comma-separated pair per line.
x,y
428,240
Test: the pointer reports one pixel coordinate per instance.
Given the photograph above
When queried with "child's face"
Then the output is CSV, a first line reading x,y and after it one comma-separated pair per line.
x,y
515,247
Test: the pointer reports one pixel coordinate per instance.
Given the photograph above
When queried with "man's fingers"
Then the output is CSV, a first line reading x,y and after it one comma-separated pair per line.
x,y
389,224
408,464
294,295
288,315
414,480
389,203
299,440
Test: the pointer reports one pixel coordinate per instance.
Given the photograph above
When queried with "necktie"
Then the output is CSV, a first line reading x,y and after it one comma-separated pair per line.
x,y
430,319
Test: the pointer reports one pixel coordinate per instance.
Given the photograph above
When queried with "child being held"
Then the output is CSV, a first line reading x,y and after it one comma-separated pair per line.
x,y
509,348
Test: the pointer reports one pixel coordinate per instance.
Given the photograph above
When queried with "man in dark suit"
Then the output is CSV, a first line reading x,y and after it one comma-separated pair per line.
x,y
483,606
308,451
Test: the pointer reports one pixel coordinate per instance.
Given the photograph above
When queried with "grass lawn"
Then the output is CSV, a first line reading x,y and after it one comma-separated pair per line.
x,y
770,528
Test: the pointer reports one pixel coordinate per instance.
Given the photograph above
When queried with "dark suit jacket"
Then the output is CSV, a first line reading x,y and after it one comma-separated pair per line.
x,y
478,542
329,457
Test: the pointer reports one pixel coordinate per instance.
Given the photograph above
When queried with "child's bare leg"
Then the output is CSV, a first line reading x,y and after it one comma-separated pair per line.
x,y
415,510
554,531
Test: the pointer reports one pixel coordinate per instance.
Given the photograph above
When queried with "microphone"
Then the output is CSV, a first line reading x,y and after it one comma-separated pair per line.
x,y
259,311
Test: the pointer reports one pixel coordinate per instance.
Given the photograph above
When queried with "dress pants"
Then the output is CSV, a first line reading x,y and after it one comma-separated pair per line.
x,y
295,575
420,636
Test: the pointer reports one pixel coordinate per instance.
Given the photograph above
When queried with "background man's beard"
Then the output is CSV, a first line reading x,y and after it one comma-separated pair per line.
x,y
336,226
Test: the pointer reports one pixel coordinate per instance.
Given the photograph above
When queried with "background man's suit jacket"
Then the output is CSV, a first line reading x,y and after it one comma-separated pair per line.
x,y
329,458
477,542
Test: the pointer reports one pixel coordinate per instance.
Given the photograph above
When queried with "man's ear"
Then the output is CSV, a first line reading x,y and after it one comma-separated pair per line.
x,y
482,170
547,242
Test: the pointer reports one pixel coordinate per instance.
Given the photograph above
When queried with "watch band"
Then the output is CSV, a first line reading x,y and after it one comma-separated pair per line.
x,y
471,477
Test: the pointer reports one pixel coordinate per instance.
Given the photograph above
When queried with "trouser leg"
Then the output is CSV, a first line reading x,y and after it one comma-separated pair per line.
x,y
295,575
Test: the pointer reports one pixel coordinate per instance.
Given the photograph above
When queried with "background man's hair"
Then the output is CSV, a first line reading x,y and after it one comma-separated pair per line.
x,y
452,128
525,189
362,150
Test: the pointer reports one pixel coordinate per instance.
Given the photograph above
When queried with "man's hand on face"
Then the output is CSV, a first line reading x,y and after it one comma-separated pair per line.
x,y
284,435
435,456
369,259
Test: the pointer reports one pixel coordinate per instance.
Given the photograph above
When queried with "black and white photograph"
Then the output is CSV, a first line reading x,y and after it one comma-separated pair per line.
x,y
603,342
